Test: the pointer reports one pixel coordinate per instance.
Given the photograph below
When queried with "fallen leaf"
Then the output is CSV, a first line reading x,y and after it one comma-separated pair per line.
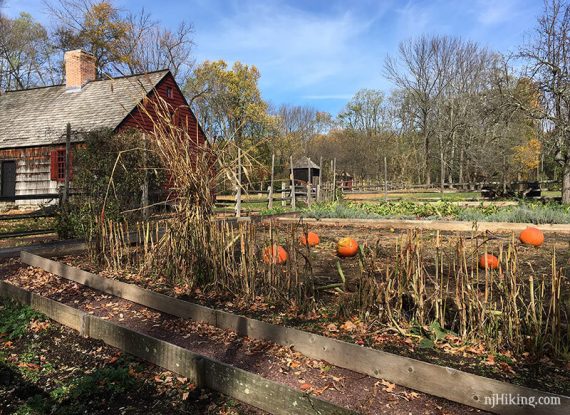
x,y
388,386
348,326
305,387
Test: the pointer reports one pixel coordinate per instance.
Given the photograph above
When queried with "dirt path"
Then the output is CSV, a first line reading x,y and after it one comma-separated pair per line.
x,y
343,387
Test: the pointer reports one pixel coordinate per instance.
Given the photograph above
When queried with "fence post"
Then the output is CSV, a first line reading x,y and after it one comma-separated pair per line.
x,y
334,179
238,190
320,179
145,203
385,179
293,204
270,190
283,201
67,163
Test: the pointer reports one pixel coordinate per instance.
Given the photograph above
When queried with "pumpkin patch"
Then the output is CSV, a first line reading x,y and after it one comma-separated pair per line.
x,y
346,247
532,236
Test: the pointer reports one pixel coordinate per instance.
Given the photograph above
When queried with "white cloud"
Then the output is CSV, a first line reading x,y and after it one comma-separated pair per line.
x,y
492,12
295,47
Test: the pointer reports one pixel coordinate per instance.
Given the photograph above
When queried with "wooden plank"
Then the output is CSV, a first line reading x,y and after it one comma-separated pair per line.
x,y
159,352
15,293
436,380
451,226
451,384
68,316
270,396
124,290
250,388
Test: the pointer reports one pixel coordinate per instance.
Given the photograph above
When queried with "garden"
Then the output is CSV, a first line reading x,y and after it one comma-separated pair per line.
x,y
494,304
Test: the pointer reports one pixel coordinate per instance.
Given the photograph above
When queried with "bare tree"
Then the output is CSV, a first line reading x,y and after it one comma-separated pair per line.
x,y
124,43
548,65
419,69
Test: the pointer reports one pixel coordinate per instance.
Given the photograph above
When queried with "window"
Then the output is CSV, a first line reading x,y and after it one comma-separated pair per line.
x,y
169,92
58,165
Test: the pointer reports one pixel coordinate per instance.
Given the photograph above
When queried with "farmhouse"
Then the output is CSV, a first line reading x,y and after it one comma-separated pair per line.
x,y
33,122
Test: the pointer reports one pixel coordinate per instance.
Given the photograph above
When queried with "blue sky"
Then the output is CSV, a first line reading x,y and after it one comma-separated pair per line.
x,y
319,52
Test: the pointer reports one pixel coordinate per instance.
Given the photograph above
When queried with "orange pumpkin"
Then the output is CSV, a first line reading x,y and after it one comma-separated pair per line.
x,y
311,238
346,247
532,236
275,254
488,261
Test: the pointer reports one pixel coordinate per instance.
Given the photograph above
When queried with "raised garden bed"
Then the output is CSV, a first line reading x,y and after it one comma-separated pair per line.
x,y
251,328
312,378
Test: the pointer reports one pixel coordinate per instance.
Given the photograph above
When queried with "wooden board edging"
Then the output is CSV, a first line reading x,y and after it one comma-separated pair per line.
x,y
247,387
441,225
445,382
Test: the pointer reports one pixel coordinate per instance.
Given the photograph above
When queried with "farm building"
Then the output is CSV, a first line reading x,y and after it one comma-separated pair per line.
x,y
306,171
33,122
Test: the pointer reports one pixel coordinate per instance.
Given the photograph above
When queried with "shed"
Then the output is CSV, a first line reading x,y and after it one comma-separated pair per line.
x,y
306,171
344,180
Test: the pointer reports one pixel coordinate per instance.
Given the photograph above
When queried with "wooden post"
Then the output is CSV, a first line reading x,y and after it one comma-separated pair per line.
x,y
385,179
238,190
270,192
320,179
283,201
334,179
293,204
144,198
67,163
309,189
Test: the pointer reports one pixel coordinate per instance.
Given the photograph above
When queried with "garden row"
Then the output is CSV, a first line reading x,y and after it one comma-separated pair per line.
x,y
401,370
527,212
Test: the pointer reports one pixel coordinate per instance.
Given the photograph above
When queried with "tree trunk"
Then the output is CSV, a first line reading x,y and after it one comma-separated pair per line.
x,y
566,183
461,165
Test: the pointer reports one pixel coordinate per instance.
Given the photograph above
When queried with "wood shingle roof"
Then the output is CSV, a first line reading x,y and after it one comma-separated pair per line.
x,y
36,117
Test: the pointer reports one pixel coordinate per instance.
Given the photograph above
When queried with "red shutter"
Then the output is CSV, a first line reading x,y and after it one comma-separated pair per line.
x,y
53,170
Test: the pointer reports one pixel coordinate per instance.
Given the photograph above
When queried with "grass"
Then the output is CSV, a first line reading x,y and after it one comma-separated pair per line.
x,y
417,196
537,213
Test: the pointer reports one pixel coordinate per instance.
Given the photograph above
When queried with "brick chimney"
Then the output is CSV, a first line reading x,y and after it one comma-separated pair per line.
x,y
80,68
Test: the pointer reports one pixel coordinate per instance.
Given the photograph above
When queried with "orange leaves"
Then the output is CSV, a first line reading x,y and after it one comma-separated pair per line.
x,y
30,366
348,326
332,328
387,386
36,325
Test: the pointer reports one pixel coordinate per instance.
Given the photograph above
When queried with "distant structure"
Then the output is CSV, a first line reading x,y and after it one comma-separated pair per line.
x,y
344,180
306,171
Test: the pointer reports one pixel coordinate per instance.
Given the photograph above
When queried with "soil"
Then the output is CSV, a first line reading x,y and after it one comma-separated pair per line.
x,y
52,369
343,387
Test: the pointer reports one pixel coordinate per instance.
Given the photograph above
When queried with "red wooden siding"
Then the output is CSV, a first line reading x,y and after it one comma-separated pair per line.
x,y
139,119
